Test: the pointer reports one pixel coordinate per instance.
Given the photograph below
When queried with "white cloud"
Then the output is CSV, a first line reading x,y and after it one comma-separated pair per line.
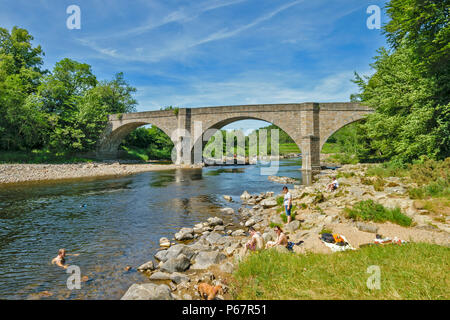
x,y
182,44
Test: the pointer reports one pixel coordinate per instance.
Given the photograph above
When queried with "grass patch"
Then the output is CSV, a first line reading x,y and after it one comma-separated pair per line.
x,y
286,148
329,147
369,210
280,200
325,231
431,176
40,156
347,175
284,217
412,271
342,158
436,189
273,225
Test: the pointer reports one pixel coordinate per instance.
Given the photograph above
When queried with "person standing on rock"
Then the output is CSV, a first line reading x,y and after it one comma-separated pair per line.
x,y
287,203
256,241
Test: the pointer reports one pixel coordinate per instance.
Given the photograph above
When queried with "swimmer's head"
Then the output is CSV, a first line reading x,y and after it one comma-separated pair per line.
x,y
62,252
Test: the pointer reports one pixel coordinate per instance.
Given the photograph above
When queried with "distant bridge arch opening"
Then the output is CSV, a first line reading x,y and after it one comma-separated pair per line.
x,y
209,133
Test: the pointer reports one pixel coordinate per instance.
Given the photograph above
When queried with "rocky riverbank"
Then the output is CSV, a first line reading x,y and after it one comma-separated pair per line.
x,y
20,173
210,251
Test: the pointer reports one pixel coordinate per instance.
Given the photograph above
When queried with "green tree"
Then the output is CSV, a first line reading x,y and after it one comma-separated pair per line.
x,y
22,123
409,89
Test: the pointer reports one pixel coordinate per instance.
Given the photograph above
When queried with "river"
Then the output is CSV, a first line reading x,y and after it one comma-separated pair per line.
x,y
111,224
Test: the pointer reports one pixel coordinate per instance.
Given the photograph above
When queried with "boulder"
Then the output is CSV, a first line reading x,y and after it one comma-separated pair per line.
x,y
200,245
179,277
267,236
245,195
205,259
178,249
292,226
178,264
160,255
184,234
366,227
269,203
160,276
215,221
148,291
227,210
276,219
164,242
219,228
250,222
213,237
148,266
227,267
228,198
238,233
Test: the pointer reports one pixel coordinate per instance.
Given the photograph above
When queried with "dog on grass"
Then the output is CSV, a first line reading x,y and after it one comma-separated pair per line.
x,y
208,291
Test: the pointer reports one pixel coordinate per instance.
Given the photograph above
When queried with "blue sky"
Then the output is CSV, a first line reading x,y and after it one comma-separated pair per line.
x,y
211,52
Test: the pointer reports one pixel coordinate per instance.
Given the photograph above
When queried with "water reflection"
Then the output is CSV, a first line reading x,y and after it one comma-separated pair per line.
x,y
111,223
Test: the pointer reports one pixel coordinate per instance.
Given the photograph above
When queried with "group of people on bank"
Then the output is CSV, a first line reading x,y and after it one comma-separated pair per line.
x,y
256,241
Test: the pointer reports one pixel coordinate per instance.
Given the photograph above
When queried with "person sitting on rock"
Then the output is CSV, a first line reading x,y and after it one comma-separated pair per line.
x,y
333,185
282,240
255,243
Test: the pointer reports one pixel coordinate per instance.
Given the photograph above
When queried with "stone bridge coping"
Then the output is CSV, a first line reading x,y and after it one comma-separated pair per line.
x,y
323,106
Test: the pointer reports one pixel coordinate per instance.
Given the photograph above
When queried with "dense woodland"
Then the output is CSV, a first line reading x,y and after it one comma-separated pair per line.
x,y
64,110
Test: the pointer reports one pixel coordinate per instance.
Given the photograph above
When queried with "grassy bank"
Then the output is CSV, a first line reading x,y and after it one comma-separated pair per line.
x,y
412,271
39,157
432,177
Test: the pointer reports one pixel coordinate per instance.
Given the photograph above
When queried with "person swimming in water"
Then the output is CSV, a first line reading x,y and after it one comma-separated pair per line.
x,y
60,259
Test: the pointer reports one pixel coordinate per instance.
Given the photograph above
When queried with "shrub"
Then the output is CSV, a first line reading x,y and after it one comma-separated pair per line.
x,y
369,210
293,214
280,200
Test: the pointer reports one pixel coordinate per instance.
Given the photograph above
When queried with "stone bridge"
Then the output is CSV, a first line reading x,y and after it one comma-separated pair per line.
x,y
308,124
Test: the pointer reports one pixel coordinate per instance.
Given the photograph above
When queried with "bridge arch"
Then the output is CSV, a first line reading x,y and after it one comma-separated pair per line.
x,y
201,139
118,129
338,124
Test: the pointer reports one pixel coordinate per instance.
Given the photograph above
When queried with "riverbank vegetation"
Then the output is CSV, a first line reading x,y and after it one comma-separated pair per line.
x,y
411,271
147,144
409,89
369,210
52,112
432,177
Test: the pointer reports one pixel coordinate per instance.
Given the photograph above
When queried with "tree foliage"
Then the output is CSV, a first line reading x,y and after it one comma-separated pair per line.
x,y
64,110
410,87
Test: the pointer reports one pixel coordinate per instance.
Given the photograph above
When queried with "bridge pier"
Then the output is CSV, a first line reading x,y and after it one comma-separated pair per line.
x,y
310,147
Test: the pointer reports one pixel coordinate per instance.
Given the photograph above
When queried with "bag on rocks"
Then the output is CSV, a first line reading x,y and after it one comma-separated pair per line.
x,y
327,237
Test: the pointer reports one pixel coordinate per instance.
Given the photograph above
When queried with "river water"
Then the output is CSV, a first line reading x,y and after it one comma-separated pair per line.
x,y
111,224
